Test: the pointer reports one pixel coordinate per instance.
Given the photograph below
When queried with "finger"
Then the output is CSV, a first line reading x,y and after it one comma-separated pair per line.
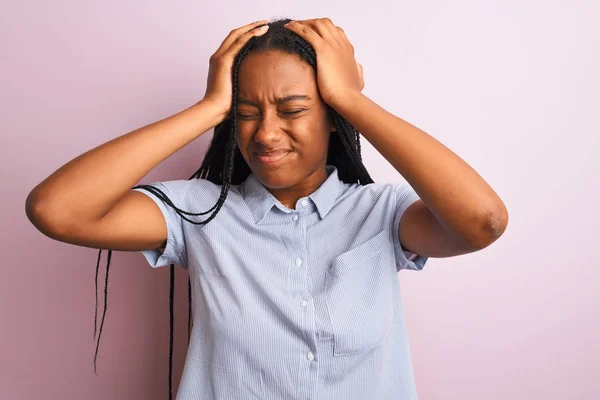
x,y
306,33
333,30
241,40
234,34
360,73
344,38
323,26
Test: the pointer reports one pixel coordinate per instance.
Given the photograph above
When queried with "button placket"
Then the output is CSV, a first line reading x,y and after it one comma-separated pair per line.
x,y
300,277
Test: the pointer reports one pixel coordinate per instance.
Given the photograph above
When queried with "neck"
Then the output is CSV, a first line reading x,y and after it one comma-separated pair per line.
x,y
289,196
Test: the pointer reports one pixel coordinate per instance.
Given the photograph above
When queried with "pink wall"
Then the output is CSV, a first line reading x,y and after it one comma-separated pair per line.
x,y
511,88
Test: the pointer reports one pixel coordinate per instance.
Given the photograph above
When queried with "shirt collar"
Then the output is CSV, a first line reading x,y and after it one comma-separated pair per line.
x,y
260,200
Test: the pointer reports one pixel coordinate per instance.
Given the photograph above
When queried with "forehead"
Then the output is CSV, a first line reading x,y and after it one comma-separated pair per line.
x,y
275,73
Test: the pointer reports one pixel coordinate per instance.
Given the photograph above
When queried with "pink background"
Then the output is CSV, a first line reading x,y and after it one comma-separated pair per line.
x,y
511,88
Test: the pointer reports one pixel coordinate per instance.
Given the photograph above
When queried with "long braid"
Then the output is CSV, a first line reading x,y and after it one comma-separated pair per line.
x,y
352,149
171,324
189,309
96,284
224,164
105,304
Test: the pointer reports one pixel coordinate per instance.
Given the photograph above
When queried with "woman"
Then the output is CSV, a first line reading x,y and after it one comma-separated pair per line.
x,y
294,270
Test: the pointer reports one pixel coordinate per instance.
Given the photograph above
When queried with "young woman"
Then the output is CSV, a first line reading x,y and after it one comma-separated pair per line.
x,y
291,249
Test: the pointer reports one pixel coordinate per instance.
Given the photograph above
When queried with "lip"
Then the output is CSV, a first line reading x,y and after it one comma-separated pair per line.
x,y
271,157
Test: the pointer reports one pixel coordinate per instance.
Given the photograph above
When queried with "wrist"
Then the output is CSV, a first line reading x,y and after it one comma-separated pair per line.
x,y
347,101
217,113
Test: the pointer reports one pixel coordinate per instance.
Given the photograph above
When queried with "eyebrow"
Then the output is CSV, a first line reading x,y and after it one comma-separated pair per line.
x,y
279,100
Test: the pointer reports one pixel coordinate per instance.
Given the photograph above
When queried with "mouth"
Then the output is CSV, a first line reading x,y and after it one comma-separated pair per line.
x,y
271,158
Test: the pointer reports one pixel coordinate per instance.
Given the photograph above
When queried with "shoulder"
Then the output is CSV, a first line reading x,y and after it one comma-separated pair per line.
x,y
203,187
388,196
189,192
372,191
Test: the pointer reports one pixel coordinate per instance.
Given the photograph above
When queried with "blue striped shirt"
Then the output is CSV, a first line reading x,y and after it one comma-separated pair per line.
x,y
297,303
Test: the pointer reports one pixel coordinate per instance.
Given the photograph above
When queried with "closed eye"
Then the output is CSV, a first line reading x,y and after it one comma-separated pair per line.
x,y
246,116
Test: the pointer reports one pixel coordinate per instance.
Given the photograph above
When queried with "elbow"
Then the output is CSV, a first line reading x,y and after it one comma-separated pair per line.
x,y
32,208
41,216
490,226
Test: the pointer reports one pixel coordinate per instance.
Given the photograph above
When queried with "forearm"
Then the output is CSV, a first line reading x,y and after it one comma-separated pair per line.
x,y
91,184
460,199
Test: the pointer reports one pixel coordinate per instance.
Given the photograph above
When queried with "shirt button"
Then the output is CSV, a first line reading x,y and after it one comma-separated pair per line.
x,y
298,262
295,217
303,303
304,202
310,356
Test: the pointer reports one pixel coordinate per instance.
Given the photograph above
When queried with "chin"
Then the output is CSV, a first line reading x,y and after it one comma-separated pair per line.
x,y
276,178
279,175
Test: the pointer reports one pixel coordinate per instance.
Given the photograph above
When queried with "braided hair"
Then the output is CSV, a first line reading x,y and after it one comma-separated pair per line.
x,y
224,164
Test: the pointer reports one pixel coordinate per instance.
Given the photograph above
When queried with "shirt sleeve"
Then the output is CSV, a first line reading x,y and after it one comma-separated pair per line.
x,y
405,195
175,251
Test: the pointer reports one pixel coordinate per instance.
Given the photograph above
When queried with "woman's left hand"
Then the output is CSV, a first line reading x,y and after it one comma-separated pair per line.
x,y
338,72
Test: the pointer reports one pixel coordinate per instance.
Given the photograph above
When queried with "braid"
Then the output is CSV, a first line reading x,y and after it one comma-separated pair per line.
x,y
224,164
171,317
351,142
105,300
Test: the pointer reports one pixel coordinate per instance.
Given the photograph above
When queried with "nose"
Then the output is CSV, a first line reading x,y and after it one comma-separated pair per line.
x,y
268,133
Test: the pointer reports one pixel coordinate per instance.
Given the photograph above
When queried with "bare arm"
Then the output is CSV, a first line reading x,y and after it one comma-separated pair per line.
x,y
457,203
459,212
89,201
87,188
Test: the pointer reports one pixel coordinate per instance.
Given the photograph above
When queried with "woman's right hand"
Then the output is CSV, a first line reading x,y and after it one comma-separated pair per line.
x,y
219,84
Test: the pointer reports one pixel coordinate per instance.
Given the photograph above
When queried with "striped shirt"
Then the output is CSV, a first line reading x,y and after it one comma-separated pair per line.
x,y
299,303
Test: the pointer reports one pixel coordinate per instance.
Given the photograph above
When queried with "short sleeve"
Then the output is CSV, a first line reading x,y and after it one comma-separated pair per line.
x,y
405,195
175,251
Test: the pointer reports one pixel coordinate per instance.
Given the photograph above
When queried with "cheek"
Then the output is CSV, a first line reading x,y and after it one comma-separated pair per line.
x,y
299,132
247,127
242,146
242,141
